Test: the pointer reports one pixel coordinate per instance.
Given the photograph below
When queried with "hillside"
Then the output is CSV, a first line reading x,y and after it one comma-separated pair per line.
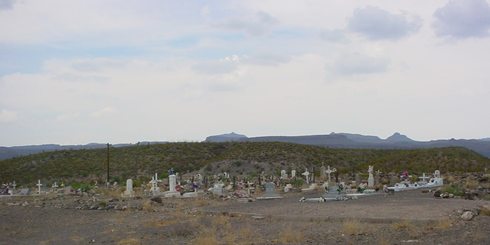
x,y
141,161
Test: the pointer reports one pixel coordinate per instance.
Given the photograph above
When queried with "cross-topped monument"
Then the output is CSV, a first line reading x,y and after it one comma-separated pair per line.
x,y
306,174
154,184
329,171
39,187
424,178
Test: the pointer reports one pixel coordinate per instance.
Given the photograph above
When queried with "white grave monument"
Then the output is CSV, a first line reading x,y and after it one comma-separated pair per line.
x,y
424,178
371,177
129,189
306,174
172,181
155,190
39,187
293,173
329,171
284,175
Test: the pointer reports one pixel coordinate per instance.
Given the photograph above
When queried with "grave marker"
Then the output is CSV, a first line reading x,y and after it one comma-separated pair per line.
x,y
129,188
39,187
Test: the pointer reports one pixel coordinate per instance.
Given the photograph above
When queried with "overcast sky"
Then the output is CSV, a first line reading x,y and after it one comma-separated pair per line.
x,y
81,71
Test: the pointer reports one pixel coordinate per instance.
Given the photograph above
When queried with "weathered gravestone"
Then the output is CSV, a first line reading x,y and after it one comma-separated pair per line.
x,y
370,178
172,181
270,192
129,189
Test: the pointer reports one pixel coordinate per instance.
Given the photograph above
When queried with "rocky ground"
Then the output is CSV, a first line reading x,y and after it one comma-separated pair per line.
x,y
403,218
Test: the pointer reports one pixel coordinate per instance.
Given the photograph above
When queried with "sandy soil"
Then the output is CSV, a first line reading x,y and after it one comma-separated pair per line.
x,y
409,217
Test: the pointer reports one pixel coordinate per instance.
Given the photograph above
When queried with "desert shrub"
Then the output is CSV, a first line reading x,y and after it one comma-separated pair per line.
x,y
82,186
471,184
237,163
298,182
453,189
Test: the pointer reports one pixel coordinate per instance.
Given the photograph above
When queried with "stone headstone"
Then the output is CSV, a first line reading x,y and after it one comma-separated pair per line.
x,y
371,177
293,173
129,188
358,179
218,189
284,175
172,182
25,191
270,192
322,172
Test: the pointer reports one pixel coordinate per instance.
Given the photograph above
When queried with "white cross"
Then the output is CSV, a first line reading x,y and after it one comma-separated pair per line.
x,y
424,177
39,187
329,171
14,184
55,185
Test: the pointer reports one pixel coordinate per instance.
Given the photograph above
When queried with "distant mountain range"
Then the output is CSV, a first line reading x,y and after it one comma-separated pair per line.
x,y
345,140
333,140
15,151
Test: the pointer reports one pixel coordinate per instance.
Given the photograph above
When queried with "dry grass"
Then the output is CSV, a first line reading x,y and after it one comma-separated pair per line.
x,y
409,227
291,236
352,227
443,224
207,237
148,206
485,211
129,241
403,225
471,184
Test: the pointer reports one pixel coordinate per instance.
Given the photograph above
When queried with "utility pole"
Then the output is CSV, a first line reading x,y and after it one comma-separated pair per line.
x,y
108,164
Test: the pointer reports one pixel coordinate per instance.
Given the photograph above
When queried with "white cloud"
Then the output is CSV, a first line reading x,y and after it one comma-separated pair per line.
x,y
7,116
462,19
255,25
6,4
376,23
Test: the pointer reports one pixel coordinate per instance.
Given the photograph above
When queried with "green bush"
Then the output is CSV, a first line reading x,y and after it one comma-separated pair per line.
x,y
82,186
297,182
456,190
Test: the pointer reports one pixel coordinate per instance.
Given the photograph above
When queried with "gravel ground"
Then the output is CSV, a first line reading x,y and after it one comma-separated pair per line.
x,y
408,217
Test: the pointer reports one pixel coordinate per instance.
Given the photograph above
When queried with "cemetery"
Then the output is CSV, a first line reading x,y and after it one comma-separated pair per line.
x,y
318,206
